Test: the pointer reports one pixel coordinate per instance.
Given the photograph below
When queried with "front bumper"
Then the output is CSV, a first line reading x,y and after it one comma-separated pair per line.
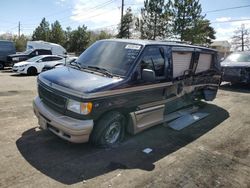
x,y
73,130
19,70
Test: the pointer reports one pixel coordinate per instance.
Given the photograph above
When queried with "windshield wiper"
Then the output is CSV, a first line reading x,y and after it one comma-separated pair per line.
x,y
76,64
102,70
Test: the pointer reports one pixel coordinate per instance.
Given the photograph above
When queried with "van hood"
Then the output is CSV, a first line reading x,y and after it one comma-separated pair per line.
x,y
78,80
235,64
17,55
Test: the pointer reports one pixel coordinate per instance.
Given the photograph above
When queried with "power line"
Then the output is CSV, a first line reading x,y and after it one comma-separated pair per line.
x,y
229,8
91,16
99,6
236,20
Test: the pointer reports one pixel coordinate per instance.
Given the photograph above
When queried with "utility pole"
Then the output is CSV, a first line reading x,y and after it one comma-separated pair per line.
x,y
122,17
19,28
242,37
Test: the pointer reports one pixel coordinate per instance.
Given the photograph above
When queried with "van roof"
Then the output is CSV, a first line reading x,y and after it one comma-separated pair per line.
x,y
155,42
7,41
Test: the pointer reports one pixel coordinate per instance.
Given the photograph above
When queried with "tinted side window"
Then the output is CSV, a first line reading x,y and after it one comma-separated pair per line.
x,y
154,60
44,52
56,58
47,59
34,53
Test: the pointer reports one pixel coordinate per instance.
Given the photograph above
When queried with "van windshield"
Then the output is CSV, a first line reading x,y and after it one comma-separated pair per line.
x,y
27,52
113,56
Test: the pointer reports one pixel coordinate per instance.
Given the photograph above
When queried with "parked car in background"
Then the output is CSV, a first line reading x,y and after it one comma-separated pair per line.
x,y
35,65
68,61
6,48
122,85
56,49
14,58
236,67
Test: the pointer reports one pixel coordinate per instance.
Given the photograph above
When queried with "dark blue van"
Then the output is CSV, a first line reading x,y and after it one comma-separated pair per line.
x,y
6,48
121,85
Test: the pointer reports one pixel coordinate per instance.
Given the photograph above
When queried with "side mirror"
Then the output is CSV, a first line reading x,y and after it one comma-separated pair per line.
x,y
39,61
222,59
148,75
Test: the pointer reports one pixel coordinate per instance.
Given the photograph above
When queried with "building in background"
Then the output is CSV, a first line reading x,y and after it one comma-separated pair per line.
x,y
223,48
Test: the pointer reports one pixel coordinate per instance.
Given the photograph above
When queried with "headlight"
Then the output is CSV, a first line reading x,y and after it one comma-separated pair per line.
x,y
79,107
22,65
15,59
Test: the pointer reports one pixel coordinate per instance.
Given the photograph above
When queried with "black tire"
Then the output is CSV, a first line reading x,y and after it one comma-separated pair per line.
x,y
32,71
1,65
109,130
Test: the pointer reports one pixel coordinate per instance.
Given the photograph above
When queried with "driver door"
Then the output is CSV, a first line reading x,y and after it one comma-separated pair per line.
x,y
151,102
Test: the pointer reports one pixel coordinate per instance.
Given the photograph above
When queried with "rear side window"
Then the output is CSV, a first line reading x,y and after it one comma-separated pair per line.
x,y
154,60
56,58
204,63
44,52
181,63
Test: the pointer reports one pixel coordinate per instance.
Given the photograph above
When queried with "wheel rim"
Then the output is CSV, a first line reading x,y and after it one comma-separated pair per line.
x,y
113,133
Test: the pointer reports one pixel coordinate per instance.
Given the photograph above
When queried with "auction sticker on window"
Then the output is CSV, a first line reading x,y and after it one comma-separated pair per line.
x,y
133,47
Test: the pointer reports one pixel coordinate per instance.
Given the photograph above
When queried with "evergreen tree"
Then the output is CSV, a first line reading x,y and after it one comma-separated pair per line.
x,y
98,35
154,19
42,32
57,34
79,40
103,35
202,33
67,34
189,24
126,25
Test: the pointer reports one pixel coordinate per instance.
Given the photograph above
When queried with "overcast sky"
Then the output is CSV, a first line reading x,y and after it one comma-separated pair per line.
x,y
98,14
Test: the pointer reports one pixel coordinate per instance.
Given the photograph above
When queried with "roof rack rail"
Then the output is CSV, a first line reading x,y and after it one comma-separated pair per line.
x,y
176,41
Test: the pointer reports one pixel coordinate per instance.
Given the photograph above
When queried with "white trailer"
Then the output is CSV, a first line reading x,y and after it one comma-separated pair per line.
x,y
56,49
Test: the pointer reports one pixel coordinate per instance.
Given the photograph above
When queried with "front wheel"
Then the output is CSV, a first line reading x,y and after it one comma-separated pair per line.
x,y
109,130
32,71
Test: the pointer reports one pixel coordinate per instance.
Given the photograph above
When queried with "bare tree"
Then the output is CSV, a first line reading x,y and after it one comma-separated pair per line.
x,y
240,40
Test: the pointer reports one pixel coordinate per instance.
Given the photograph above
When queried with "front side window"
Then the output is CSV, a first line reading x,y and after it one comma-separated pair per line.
x,y
154,59
113,56
33,59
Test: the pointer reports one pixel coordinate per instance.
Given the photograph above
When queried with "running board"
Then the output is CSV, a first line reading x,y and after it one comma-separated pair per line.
x,y
174,115
186,120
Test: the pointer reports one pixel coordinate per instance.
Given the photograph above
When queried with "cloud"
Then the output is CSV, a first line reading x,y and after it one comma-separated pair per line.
x,y
223,19
60,2
96,14
139,1
245,21
225,31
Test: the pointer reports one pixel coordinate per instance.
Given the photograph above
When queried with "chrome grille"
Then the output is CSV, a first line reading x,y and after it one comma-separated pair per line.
x,y
51,98
232,71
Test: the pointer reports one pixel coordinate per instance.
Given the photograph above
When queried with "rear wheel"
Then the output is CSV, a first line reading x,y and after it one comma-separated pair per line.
x,y
32,71
109,130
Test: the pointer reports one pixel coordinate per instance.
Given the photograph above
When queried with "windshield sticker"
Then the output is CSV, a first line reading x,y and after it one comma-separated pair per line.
x,y
132,47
